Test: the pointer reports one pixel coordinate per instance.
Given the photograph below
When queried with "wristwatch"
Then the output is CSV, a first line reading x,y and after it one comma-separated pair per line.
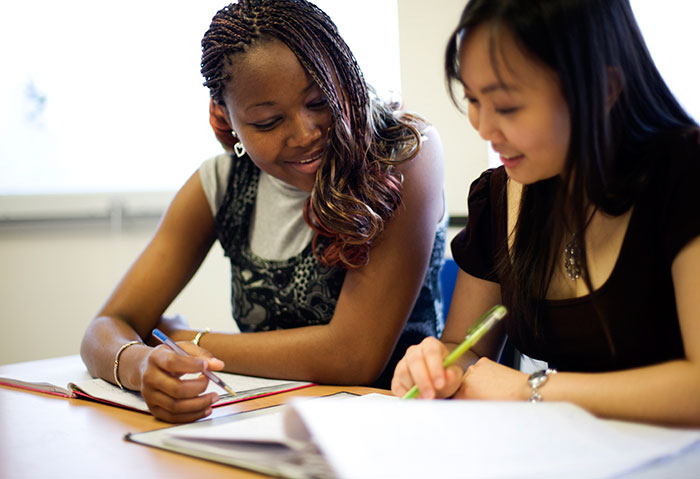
x,y
537,380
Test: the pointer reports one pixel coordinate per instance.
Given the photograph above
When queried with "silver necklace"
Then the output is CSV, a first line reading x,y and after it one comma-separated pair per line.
x,y
572,263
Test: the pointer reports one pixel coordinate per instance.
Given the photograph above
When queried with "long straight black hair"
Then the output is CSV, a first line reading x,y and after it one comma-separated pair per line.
x,y
595,47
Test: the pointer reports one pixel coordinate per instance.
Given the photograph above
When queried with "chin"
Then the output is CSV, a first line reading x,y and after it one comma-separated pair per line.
x,y
304,184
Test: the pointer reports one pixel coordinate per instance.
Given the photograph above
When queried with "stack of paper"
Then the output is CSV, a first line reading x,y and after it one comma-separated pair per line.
x,y
378,437
419,439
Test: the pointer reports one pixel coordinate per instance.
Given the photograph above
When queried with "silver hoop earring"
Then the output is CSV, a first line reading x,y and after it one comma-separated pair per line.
x,y
238,148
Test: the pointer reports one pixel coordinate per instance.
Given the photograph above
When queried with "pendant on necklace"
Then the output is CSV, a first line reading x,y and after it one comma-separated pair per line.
x,y
572,264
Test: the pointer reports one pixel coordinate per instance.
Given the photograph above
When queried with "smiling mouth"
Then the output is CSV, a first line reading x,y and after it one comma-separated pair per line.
x,y
315,157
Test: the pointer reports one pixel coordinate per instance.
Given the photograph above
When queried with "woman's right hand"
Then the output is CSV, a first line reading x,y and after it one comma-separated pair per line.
x,y
170,398
422,366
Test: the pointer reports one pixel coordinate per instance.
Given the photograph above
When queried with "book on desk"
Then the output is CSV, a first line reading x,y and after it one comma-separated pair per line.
x,y
379,436
68,377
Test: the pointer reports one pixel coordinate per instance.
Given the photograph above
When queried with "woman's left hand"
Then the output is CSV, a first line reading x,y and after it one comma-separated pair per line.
x,y
490,380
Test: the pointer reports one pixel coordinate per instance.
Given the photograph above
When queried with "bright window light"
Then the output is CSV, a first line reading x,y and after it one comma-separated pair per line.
x,y
107,97
666,40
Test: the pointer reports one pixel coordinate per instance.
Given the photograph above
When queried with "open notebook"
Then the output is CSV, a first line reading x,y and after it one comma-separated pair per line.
x,y
68,377
379,437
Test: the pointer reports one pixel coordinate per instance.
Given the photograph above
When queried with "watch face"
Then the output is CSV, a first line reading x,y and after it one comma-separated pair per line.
x,y
537,378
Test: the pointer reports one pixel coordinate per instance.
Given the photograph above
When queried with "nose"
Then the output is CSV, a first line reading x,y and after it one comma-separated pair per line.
x,y
305,130
484,122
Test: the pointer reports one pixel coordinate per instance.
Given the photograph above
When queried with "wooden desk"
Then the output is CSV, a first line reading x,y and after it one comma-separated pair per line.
x,y
43,436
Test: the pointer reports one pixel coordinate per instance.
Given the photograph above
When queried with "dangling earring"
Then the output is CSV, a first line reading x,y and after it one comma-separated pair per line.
x,y
238,147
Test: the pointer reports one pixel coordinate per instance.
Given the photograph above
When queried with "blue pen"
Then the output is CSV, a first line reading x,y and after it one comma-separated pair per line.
x,y
172,345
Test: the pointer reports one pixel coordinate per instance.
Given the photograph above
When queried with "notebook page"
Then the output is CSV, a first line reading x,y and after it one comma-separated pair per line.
x,y
46,375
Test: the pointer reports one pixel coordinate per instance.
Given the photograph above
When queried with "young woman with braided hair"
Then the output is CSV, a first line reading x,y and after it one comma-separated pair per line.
x,y
328,202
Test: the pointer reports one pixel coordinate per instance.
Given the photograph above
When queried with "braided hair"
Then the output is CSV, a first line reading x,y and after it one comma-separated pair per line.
x,y
357,187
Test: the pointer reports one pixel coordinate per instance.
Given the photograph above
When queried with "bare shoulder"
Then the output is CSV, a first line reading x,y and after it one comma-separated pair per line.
x,y
431,144
189,211
423,180
429,161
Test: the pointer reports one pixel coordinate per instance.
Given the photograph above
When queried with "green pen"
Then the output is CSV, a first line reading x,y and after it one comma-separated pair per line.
x,y
478,329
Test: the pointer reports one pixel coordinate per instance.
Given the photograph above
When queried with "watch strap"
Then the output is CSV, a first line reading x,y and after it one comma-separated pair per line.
x,y
537,380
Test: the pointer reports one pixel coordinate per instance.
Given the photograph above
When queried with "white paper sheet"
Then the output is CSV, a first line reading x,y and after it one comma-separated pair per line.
x,y
377,436
475,439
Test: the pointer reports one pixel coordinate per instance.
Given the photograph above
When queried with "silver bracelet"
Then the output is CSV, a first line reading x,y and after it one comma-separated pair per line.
x,y
116,361
537,380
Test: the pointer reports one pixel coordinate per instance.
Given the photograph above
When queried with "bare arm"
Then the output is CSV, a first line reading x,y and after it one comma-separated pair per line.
x,y
178,247
374,303
373,306
667,392
663,393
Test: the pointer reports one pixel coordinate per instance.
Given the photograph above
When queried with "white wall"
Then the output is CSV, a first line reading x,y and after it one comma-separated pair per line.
x,y
423,33
55,276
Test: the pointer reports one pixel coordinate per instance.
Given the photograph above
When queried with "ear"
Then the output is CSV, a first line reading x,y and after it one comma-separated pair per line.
x,y
615,84
219,121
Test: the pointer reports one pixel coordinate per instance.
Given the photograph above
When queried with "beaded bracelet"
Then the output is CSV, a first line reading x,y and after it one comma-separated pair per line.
x,y
116,361
199,336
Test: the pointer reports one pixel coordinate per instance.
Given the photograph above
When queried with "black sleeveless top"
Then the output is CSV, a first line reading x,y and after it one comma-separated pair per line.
x,y
299,291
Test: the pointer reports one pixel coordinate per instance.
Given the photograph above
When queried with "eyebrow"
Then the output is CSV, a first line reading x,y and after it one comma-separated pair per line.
x,y
497,86
308,87
493,87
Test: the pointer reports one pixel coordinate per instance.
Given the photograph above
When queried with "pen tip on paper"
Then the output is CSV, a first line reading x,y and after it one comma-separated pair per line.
x,y
230,391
